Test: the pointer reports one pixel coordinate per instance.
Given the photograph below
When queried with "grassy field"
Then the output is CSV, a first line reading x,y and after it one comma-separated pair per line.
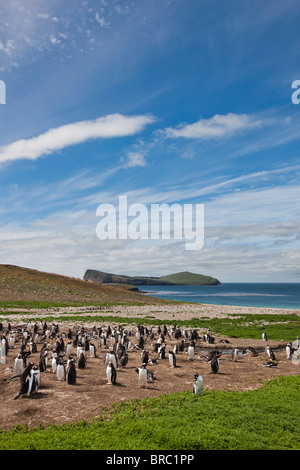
x,y
263,419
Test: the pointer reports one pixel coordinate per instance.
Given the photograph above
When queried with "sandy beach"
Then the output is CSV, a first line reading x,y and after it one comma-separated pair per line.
x,y
178,311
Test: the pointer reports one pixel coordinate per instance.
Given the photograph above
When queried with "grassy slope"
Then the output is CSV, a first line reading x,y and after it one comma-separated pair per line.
x,y
19,284
263,419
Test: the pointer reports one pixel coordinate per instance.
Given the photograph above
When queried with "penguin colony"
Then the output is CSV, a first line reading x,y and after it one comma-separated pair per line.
x,y
65,351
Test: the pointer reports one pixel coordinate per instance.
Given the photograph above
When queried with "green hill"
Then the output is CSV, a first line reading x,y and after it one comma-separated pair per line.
x,y
190,279
183,279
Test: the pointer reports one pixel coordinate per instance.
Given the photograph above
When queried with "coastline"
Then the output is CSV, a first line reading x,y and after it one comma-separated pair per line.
x,y
178,311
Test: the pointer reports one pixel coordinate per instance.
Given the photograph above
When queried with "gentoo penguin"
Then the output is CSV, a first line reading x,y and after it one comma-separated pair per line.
x,y
3,351
69,348
264,336
71,372
28,382
270,353
81,361
142,377
198,384
145,356
124,360
162,351
92,350
19,365
252,351
111,357
172,359
289,350
191,351
61,371
234,354
111,374
214,364
54,364
37,373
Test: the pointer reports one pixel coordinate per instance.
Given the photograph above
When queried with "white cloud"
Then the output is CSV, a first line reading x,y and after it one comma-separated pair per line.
x,y
216,127
114,125
135,159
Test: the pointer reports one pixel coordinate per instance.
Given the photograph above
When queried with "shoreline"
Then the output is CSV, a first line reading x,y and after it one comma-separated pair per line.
x,y
180,311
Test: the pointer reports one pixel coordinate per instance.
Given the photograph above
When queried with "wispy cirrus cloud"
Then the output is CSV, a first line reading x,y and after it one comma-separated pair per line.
x,y
113,125
218,126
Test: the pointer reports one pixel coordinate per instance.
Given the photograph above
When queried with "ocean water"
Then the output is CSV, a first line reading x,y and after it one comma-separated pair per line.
x,y
268,295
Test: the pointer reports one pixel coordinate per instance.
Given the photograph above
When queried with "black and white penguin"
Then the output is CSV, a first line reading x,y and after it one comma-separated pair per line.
x,y
191,351
124,360
82,360
111,374
92,350
69,348
71,372
252,351
54,363
111,357
234,354
28,382
61,370
42,363
19,365
197,384
162,351
289,350
214,364
37,373
142,376
172,359
145,356
264,336
270,353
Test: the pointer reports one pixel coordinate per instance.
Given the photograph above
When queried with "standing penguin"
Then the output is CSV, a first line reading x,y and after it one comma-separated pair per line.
x,y
54,364
198,384
111,374
82,360
191,351
3,350
142,377
264,336
289,350
37,373
69,348
71,372
28,382
19,365
124,360
270,353
234,354
214,364
92,350
145,356
61,371
172,359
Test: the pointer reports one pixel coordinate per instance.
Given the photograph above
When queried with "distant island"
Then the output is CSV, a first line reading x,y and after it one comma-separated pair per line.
x,y
184,278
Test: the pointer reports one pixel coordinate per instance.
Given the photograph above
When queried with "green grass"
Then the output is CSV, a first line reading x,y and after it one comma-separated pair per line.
x,y
263,419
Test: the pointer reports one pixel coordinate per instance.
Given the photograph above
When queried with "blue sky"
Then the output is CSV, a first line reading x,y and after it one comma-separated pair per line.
x,y
173,101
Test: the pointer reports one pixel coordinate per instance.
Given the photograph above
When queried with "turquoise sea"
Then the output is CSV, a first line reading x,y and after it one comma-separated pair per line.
x,y
268,295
